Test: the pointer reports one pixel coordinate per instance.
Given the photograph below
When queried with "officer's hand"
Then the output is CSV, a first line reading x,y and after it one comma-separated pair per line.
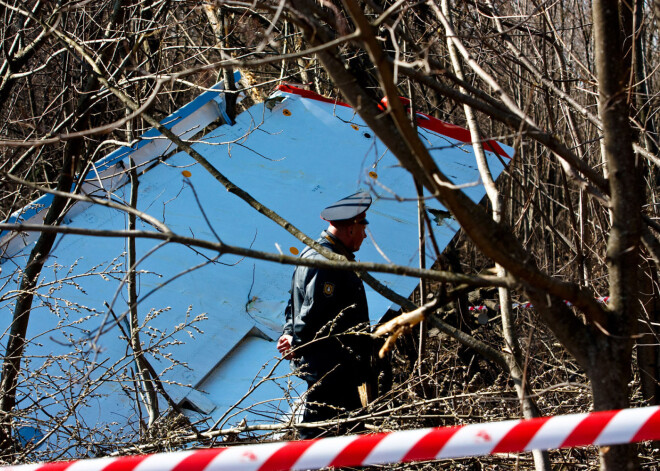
x,y
284,346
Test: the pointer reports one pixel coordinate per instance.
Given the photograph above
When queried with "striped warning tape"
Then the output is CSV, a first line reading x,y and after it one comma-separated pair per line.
x,y
604,299
511,436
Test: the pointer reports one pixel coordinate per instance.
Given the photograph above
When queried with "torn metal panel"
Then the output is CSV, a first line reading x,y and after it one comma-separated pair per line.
x,y
295,153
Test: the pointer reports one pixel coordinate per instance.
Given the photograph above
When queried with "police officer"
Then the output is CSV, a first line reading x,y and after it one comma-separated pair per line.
x,y
325,317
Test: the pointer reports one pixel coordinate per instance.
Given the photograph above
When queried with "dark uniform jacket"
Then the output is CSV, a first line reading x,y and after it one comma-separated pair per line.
x,y
326,311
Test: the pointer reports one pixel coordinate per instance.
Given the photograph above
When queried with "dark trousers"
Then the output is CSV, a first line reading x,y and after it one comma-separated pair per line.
x,y
332,397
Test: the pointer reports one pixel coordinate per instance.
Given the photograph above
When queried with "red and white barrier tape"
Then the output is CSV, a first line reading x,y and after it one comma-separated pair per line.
x,y
604,299
511,436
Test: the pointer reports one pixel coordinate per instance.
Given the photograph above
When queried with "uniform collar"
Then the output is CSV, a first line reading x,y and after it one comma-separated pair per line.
x,y
337,245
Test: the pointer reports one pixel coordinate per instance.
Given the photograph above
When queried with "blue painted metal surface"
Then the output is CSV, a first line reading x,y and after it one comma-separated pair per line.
x,y
120,156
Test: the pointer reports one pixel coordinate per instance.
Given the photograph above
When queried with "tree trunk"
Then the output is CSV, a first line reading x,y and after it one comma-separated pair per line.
x,y
609,375
16,341
74,153
149,395
515,359
611,354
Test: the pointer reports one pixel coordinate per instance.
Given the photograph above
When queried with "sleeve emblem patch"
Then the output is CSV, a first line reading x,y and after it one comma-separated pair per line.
x,y
328,289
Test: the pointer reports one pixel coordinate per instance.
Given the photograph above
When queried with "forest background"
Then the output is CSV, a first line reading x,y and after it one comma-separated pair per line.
x,y
571,85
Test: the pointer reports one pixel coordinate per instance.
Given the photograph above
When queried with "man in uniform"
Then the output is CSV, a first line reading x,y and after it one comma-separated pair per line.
x,y
326,319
